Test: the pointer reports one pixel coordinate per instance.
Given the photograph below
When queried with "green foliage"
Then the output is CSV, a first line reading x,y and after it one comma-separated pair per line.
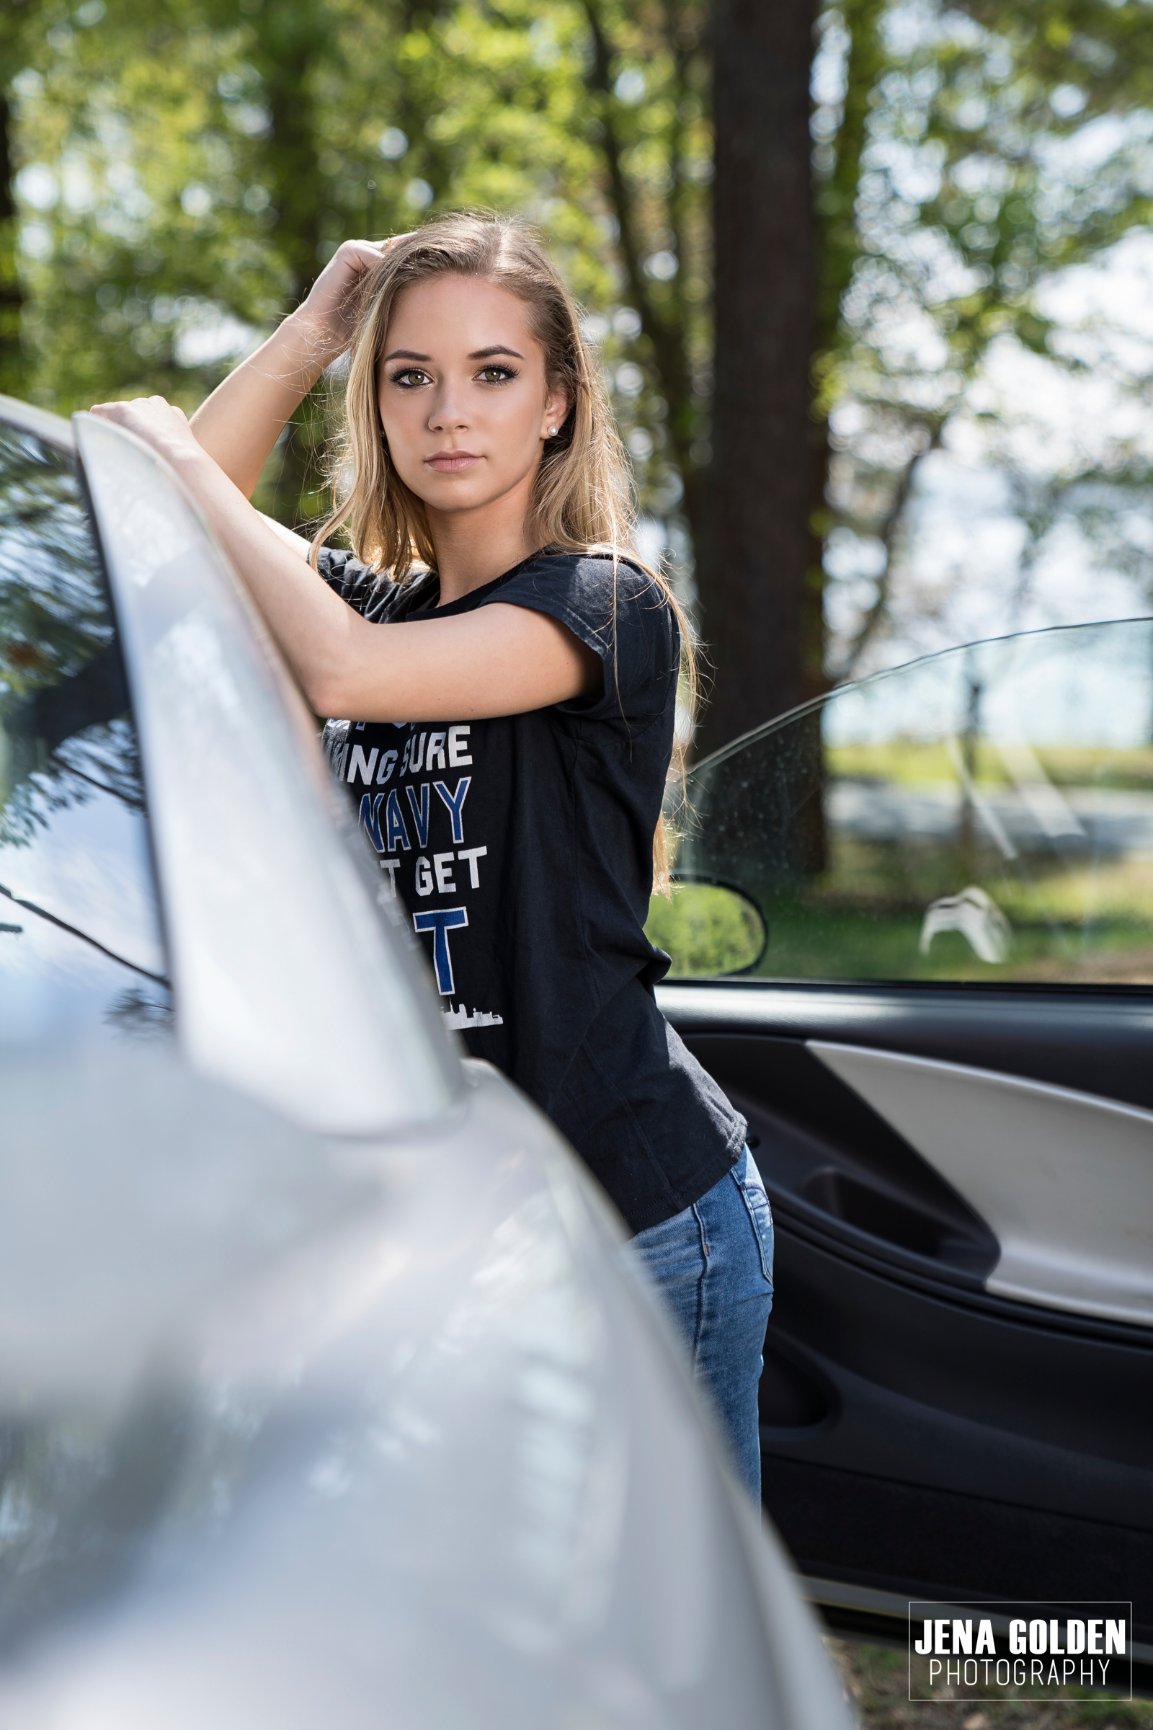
x,y
136,174
186,173
182,171
708,930
994,145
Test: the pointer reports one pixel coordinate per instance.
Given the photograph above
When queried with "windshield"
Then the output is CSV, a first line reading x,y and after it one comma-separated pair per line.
x,y
80,942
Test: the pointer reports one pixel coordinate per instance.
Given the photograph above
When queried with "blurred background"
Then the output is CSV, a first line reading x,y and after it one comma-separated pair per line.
x,y
871,281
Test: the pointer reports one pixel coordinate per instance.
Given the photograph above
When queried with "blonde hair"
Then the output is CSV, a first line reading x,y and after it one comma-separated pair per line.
x,y
582,499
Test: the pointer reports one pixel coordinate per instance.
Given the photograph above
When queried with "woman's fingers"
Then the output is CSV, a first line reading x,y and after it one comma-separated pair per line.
x,y
139,407
151,418
334,299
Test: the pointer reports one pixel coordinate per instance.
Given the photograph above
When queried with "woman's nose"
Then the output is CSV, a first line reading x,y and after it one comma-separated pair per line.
x,y
447,409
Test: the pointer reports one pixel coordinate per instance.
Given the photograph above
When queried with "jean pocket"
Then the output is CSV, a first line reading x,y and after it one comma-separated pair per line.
x,y
675,1251
761,1214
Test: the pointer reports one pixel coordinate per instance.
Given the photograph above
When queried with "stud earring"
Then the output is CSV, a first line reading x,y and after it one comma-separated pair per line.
x,y
552,432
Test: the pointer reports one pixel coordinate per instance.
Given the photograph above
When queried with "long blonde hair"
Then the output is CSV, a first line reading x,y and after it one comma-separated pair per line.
x,y
582,500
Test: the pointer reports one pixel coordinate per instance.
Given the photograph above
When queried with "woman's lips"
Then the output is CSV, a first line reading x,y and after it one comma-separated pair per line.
x,y
453,464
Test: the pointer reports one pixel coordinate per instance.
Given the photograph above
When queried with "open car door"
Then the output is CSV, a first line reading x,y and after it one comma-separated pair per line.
x,y
915,945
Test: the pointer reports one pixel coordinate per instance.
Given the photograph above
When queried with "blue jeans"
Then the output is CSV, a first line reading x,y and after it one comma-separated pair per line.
x,y
714,1264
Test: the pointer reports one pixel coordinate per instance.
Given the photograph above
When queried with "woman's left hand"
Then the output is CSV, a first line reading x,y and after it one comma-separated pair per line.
x,y
154,420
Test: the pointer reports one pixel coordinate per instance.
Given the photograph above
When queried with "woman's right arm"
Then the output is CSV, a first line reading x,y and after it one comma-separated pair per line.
x,y
239,424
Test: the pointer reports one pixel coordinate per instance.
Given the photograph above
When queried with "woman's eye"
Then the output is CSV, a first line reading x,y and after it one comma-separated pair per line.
x,y
506,372
404,378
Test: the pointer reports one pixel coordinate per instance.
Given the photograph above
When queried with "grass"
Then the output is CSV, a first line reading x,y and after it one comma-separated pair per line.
x,y
876,1678
911,763
1068,919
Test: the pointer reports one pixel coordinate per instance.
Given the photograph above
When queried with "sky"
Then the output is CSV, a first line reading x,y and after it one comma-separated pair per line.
x,y
966,532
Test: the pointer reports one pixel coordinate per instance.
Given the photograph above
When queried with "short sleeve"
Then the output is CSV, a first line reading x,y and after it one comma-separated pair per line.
x,y
368,591
625,618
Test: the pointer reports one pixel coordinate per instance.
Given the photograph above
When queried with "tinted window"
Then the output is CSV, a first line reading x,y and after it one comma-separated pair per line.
x,y
80,946
985,814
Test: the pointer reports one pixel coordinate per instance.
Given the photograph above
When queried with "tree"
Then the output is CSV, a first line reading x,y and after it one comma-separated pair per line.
x,y
15,50
913,175
983,178
11,290
758,561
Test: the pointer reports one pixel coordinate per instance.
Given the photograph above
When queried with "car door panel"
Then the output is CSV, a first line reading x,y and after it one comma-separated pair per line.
x,y
904,1395
1074,1233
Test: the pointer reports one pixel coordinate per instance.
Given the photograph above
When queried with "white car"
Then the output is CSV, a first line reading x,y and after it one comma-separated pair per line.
x,y
327,1397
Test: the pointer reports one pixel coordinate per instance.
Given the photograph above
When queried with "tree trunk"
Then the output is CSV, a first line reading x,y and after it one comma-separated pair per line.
x,y
12,375
759,577
288,41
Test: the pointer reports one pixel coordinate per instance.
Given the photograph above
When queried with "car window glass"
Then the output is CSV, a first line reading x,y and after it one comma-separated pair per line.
x,y
984,814
80,943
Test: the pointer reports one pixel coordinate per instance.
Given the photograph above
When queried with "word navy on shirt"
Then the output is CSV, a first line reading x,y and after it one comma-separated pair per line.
x,y
404,822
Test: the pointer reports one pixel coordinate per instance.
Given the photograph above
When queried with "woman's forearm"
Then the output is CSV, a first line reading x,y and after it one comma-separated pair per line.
x,y
239,424
311,624
243,418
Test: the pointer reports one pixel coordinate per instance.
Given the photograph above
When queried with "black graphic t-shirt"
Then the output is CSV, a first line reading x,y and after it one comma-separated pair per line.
x,y
522,846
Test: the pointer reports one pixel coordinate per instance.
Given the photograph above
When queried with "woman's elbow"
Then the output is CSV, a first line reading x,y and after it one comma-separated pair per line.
x,y
323,670
320,686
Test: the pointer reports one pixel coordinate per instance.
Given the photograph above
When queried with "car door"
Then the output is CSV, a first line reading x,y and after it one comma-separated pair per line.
x,y
945,1051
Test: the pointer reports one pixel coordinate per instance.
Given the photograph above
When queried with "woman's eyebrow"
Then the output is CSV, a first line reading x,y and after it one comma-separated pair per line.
x,y
478,354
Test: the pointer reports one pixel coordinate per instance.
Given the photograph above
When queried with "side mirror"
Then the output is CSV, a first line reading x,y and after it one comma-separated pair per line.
x,y
710,929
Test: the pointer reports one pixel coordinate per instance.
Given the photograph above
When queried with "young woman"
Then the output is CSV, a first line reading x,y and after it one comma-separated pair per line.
x,y
509,671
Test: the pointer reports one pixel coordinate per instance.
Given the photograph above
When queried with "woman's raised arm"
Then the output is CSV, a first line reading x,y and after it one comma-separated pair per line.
x,y
239,424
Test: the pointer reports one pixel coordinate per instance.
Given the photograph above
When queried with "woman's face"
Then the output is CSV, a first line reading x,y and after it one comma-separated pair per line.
x,y
462,373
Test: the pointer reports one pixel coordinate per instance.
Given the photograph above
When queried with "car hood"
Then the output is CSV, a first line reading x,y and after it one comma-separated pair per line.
x,y
384,1430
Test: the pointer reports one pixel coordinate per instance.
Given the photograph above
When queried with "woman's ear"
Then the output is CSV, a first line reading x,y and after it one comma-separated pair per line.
x,y
556,411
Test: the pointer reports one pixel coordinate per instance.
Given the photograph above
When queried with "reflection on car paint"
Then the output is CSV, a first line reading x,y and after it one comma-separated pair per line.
x,y
81,938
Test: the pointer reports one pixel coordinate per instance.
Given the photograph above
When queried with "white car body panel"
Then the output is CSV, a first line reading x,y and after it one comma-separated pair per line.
x,y
313,1013
433,1461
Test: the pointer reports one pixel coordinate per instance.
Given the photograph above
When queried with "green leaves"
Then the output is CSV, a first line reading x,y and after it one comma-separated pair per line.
x,y
191,167
180,172
1004,144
